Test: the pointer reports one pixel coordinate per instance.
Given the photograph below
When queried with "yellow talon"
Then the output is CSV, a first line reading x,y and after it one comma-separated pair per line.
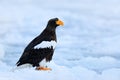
x,y
43,68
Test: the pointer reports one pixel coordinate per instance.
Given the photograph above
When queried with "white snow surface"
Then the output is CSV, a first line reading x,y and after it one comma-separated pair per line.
x,y
88,46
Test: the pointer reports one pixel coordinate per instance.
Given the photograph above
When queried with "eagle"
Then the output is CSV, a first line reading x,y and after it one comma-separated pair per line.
x,y
40,50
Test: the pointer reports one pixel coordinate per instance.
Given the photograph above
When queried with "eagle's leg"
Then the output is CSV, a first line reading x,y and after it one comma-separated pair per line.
x,y
43,68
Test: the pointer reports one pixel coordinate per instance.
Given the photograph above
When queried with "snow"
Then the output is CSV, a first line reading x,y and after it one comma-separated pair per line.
x,y
87,46
2,53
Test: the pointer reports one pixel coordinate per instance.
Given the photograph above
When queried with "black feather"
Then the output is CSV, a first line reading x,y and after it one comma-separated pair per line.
x,y
35,56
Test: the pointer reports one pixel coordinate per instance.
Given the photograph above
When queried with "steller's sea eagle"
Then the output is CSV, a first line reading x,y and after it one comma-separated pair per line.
x,y
40,50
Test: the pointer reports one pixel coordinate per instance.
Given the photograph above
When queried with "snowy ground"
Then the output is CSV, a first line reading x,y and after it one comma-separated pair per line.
x,y
88,44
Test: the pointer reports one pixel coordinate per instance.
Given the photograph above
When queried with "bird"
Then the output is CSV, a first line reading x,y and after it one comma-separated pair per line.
x,y
41,49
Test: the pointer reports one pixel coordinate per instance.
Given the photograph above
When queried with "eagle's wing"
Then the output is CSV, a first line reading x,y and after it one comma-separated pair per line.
x,y
42,37
34,42
31,46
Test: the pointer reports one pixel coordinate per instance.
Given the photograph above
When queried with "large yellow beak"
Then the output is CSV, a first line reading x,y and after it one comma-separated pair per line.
x,y
59,22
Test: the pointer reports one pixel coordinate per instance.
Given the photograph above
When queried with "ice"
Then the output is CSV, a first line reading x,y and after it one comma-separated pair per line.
x,y
87,46
2,52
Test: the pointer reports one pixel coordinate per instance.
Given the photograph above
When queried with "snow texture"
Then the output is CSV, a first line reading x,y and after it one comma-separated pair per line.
x,y
88,46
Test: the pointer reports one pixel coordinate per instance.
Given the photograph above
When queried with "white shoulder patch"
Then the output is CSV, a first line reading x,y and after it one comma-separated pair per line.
x,y
46,44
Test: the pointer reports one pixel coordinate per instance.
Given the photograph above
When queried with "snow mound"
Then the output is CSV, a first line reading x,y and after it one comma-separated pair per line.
x,y
58,73
2,52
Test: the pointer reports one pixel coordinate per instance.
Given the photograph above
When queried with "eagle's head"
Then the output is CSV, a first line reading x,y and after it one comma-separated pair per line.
x,y
55,22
